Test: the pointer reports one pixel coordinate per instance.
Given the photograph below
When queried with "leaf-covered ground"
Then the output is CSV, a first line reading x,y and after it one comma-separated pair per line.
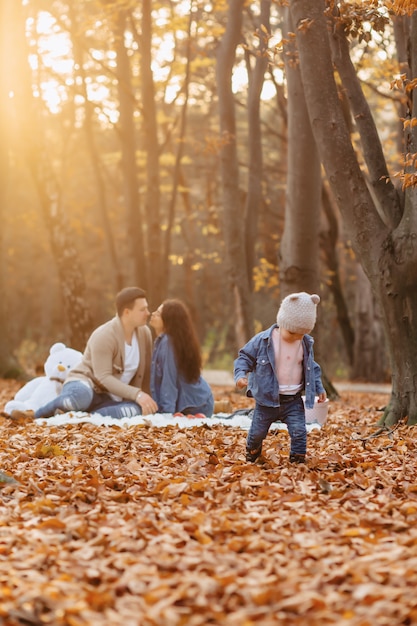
x,y
146,526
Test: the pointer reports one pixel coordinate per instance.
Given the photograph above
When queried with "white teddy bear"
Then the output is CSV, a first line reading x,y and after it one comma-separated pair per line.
x,y
43,389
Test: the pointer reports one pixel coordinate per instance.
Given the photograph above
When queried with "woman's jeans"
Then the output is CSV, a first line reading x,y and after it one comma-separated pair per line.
x,y
291,412
77,396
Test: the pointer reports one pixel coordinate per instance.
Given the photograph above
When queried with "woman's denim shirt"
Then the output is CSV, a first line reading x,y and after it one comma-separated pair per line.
x,y
257,358
169,389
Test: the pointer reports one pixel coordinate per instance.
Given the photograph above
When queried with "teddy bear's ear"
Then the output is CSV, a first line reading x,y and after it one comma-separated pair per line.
x,y
315,298
57,347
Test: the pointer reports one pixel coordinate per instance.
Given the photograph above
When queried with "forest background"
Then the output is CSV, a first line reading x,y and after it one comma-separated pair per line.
x,y
167,144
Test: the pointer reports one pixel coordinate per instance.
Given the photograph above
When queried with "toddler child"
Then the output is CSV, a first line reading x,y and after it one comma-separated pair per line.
x,y
276,365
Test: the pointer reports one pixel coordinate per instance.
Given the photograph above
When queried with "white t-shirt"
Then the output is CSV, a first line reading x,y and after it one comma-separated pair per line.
x,y
132,359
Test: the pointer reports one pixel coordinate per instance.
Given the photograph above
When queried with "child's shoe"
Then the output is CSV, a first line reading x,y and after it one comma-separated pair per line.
x,y
297,458
252,455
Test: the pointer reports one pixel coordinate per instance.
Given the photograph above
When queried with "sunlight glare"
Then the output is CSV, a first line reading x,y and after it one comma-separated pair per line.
x,y
239,79
53,44
54,50
240,82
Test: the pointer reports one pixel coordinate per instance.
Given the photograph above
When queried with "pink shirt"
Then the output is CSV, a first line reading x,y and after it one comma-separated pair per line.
x,y
288,363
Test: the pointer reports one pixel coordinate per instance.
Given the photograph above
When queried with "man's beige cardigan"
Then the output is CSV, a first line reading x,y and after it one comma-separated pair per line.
x,y
103,361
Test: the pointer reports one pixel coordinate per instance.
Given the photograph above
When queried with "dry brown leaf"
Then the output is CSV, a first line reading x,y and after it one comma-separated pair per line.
x,y
167,526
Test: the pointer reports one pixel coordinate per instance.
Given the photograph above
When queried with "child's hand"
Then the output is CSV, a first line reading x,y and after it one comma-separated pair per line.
x,y
322,397
242,383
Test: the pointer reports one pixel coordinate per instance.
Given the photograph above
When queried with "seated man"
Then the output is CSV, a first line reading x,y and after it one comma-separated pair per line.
x,y
113,377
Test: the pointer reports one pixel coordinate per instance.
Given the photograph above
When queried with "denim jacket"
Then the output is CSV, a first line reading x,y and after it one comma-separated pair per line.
x,y
257,358
169,389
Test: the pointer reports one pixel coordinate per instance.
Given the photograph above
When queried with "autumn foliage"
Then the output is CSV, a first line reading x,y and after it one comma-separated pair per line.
x,y
147,526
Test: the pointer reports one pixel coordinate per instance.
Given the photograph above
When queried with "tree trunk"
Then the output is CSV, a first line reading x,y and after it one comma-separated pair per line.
x,y
401,25
370,358
29,140
153,196
299,250
127,130
189,235
255,157
300,243
329,241
378,176
386,246
177,165
94,153
398,281
232,209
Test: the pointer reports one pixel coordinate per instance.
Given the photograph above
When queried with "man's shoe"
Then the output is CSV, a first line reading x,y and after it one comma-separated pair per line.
x,y
22,416
297,458
252,455
222,406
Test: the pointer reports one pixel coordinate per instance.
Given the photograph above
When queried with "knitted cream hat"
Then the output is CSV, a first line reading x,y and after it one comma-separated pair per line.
x,y
297,312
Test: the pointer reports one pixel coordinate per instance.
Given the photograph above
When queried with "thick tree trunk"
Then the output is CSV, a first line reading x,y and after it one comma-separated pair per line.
x,y
398,281
300,243
397,285
389,257
299,251
400,311
232,209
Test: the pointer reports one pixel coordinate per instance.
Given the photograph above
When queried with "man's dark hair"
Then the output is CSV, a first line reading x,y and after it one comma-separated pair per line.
x,y
125,299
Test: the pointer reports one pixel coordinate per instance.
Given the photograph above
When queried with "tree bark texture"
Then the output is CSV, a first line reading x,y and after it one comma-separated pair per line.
x,y
329,240
371,361
299,250
401,24
255,157
232,206
128,143
378,176
386,247
150,130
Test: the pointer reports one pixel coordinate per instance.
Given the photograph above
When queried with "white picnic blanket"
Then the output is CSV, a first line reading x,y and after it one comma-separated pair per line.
x,y
159,420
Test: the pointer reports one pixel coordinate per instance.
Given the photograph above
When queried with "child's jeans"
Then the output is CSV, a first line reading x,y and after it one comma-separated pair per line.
x,y
291,412
77,396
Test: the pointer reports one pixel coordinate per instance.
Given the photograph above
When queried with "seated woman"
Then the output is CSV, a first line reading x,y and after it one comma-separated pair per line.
x,y
176,382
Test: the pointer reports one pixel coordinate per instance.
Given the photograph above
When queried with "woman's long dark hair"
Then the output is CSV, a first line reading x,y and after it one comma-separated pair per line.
x,y
179,326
